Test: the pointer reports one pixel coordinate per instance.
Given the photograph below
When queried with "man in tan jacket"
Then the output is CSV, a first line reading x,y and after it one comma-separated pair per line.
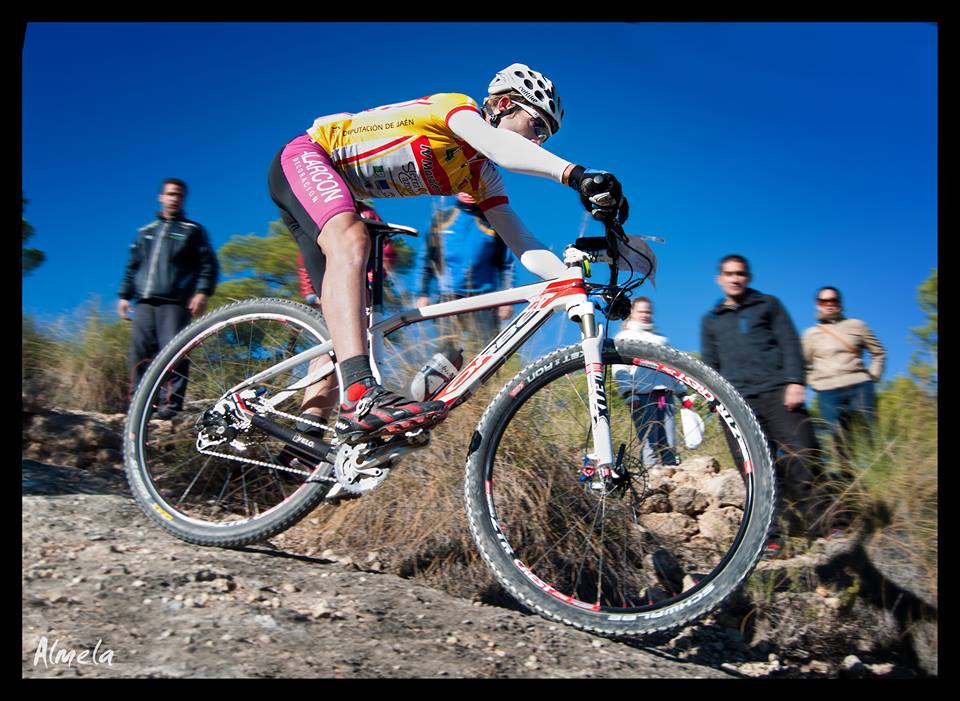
x,y
833,352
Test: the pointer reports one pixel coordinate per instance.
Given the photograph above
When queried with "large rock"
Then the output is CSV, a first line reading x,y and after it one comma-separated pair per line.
x,y
689,501
671,526
74,439
702,463
726,489
894,555
694,472
720,524
660,479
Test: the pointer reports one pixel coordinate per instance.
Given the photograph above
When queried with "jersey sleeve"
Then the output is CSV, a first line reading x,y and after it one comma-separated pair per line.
x,y
491,191
450,104
505,147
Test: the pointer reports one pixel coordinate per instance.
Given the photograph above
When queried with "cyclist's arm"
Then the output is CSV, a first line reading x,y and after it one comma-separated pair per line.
x,y
506,148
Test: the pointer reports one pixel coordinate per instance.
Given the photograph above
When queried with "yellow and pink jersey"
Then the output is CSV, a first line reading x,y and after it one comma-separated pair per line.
x,y
407,149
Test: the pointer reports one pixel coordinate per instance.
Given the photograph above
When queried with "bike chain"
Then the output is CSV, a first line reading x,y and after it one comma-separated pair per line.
x,y
273,466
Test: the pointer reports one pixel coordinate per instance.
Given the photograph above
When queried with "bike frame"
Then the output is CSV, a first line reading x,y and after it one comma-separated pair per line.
x,y
543,300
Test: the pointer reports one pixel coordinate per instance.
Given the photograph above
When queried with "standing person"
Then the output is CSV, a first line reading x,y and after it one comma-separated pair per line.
x,y
171,272
652,406
748,338
465,257
440,144
833,352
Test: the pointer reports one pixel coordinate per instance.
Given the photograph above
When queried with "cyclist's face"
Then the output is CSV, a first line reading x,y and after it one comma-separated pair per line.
x,y
171,199
733,278
526,123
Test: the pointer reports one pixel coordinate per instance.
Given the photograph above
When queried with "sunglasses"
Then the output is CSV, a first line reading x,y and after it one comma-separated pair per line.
x,y
828,300
540,128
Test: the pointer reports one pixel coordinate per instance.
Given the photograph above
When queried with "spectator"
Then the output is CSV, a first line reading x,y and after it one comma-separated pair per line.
x,y
171,272
748,338
833,351
472,261
652,405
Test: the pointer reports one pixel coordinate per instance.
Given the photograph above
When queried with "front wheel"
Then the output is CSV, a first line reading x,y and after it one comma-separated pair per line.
x,y
663,538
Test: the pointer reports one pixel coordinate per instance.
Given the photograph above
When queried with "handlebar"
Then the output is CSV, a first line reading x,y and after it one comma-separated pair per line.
x,y
614,244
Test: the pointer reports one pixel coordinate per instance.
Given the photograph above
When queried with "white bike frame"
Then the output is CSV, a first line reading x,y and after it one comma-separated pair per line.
x,y
543,300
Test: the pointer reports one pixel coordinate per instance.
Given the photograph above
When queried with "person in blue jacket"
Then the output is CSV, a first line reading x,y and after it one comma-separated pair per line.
x,y
466,257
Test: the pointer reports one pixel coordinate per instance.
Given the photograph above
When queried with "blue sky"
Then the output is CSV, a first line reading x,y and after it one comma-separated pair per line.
x,y
810,148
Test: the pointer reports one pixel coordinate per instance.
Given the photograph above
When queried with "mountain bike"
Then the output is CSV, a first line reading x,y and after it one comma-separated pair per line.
x,y
559,500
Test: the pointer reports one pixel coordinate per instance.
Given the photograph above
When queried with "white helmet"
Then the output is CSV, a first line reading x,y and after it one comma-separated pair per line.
x,y
535,88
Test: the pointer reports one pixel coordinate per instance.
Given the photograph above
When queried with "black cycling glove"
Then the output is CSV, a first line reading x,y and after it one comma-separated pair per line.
x,y
600,193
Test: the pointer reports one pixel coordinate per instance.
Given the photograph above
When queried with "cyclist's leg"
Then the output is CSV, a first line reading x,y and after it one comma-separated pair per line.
x,y
366,408
304,182
346,245
320,398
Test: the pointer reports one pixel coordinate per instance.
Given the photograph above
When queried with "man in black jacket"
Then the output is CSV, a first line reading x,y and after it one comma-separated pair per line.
x,y
749,339
171,272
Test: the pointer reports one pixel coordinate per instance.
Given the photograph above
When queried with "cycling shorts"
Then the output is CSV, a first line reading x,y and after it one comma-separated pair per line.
x,y
309,191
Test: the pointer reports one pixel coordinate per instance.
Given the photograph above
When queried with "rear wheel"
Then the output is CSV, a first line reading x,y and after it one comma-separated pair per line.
x,y
650,547
236,485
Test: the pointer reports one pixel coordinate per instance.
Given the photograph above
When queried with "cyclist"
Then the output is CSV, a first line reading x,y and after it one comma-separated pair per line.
x,y
440,144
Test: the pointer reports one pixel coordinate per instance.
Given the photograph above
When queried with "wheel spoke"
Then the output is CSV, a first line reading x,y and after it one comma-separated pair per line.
x,y
621,542
226,477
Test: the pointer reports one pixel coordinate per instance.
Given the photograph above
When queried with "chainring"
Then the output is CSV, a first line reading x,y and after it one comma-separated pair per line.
x,y
351,473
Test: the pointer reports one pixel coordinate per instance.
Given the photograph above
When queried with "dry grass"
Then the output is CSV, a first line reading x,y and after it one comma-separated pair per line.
x,y
888,481
415,521
78,361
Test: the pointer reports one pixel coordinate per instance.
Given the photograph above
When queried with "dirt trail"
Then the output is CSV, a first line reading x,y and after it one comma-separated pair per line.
x,y
99,579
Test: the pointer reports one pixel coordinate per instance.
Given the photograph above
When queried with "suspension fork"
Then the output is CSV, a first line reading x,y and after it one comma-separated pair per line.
x,y
592,344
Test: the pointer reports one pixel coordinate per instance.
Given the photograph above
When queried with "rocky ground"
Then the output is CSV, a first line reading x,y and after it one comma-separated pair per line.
x,y
129,601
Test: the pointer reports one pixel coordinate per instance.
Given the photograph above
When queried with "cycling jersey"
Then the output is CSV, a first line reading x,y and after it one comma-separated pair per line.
x,y
407,149
439,144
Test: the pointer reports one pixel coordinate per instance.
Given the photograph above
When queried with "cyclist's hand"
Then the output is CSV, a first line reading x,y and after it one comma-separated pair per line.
x,y
624,211
123,309
600,193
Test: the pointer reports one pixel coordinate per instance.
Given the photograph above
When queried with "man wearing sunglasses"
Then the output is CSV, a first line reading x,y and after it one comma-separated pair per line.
x,y
441,144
